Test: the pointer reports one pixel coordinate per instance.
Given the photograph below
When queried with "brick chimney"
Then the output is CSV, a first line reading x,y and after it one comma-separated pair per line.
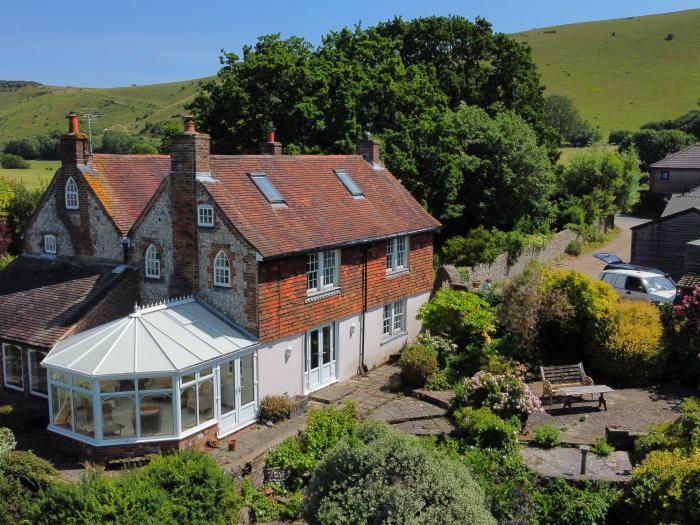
x,y
189,157
270,147
74,145
369,148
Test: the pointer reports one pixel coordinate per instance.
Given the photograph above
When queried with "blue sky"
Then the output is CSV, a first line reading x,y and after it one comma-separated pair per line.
x,y
123,42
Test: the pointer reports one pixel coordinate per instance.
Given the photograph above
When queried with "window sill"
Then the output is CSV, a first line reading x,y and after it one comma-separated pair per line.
x,y
317,296
397,273
154,279
393,338
223,286
14,387
39,394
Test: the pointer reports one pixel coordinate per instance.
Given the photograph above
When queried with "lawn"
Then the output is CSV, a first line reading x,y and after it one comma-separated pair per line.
x,y
567,152
38,176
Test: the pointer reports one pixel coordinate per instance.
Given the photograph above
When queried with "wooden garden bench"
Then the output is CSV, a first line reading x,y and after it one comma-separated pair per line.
x,y
556,377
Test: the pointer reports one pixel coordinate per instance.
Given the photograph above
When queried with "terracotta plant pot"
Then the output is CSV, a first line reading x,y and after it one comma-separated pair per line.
x,y
231,445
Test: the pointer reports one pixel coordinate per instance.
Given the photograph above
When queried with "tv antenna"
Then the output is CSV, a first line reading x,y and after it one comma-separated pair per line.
x,y
89,115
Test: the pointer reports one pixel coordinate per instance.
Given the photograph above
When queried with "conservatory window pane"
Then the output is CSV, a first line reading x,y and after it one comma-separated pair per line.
x,y
61,408
117,385
205,372
206,400
118,417
156,383
187,378
156,412
82,383
57,376
188,407
84,420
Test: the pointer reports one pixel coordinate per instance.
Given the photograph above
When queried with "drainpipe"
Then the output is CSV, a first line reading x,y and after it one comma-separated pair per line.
x,y
362,368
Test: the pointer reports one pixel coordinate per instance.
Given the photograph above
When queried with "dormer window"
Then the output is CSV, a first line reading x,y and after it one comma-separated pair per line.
x,y
267,189
152,263
222,270
205,216
322,271
71,194
349,184
396,254
50,244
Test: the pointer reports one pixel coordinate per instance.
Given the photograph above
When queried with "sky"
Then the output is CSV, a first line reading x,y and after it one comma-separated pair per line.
x,y
123,42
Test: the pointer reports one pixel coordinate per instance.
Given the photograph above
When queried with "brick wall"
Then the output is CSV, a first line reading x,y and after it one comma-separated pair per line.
x,y
283,308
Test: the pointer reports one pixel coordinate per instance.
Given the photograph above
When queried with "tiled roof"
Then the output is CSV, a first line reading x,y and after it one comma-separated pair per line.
x,y
682,201
41,300
688,158
320,211
125,183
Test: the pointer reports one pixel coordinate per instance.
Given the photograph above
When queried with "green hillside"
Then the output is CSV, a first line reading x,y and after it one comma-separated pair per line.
x,y
623,73
34,109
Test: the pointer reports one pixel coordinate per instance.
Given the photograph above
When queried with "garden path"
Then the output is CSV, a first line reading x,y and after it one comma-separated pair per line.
x,y
564,462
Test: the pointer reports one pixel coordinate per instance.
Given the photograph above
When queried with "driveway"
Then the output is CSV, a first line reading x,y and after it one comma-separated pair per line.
x,y
620,244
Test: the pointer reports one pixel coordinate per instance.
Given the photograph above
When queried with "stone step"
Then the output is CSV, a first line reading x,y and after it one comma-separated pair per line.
x,y
406,409
331,394
440,398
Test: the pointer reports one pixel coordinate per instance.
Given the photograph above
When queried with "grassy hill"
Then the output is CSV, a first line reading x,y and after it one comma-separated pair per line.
x,y
623,73
33,109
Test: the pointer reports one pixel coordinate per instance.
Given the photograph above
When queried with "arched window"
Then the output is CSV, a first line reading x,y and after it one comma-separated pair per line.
x,y
71,194
152,263
222,270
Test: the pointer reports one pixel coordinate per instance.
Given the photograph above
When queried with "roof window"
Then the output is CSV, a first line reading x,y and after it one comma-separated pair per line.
x,y
267,188
349,184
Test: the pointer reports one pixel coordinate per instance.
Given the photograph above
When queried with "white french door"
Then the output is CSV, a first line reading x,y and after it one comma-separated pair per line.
x,y
320,358
238,394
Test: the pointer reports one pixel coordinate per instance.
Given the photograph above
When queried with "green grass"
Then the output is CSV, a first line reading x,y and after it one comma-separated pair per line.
x,y
38,176
39,109
625,80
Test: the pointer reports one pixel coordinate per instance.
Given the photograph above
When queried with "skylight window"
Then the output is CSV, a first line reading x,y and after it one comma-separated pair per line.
x,y
349,184
267,188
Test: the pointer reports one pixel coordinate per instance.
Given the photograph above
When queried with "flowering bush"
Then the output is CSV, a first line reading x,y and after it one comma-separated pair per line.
x,y
505,394
682,334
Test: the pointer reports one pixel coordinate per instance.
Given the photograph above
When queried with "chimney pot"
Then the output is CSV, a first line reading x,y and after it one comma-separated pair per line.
x,y
271,135
270,146
189,124
73,126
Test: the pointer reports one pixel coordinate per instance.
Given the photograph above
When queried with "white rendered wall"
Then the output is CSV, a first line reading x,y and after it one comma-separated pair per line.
x,y
278,374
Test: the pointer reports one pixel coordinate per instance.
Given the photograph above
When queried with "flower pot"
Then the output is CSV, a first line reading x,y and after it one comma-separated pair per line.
x,y
231,445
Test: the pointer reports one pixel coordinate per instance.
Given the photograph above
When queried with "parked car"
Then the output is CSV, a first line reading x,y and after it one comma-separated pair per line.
x,y
613,262
640,284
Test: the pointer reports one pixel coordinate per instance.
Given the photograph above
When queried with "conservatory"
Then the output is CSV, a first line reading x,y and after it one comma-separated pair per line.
x,y
164,372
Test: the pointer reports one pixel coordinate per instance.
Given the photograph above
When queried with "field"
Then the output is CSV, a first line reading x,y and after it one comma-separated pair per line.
x,y
38,109
38,176
623,73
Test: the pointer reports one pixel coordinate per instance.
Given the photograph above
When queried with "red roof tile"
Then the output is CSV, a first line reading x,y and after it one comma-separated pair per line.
x,y
321,211
41,300
125,183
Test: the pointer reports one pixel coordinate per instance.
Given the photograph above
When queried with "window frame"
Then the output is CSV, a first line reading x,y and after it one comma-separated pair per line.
x,y
199,379
205,211
151,263
397,261
349,183
319,273
665,175
31,351
267,188
225,268
4,367
48,239
391,312
71,195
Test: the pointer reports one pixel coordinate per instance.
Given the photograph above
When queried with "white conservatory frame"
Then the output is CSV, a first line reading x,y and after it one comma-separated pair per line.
x,y
179,381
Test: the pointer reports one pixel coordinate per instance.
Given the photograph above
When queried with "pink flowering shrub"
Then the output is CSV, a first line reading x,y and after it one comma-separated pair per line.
x,y
504,394
682,338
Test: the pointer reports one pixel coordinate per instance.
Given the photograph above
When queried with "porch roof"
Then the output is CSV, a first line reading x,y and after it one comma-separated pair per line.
x,y
156,340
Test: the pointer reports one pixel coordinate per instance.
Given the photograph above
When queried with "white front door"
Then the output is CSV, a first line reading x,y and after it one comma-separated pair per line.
x,y
237,393
320,359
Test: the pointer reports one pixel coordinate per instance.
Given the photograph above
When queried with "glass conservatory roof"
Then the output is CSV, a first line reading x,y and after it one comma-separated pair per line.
x,y
158,339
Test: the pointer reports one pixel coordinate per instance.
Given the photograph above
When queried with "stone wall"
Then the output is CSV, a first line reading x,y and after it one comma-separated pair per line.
x,y
499,269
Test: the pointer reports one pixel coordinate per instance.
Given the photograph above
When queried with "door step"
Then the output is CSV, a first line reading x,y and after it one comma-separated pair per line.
x,y
331,394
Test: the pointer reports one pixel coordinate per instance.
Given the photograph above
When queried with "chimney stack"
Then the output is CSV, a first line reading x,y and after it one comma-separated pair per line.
x,y
74,144
189,158
270,147
369,148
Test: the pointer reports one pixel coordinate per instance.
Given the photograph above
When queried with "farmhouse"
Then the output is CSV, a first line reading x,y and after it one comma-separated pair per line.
x,y
677,173
252,274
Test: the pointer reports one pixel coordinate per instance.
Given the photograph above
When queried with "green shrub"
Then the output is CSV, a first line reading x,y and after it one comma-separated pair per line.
x,y
562,503
144,148
23,478
389,477
289,455
273,408
500,365
547,436
464,317
262,508
485,429
682,433
665,488
574,248
417,362
633,352
438,380
618,136
7,441
479,246
9,161
602,447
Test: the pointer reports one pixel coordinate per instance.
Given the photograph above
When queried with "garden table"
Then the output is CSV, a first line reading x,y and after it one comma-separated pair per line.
x,y
577,392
